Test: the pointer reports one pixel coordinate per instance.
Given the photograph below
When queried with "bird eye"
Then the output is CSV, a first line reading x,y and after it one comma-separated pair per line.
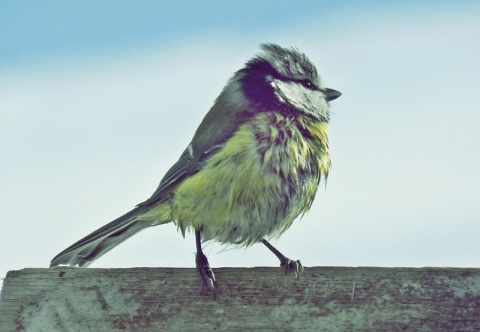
x,y
308,84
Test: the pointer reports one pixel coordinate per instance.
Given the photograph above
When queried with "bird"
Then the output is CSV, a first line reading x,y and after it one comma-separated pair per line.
x,y
253,166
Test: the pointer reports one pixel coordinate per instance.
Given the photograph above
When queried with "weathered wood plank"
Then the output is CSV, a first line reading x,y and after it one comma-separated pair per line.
x,y
324,298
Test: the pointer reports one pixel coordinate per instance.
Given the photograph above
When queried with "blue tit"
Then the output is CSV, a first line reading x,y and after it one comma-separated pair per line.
x,y
253,166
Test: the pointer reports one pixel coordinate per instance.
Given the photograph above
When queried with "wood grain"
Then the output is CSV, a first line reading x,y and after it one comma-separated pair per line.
x,y
322,299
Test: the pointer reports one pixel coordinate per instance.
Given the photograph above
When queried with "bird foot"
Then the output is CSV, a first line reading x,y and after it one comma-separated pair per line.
x,y
207,277
291,265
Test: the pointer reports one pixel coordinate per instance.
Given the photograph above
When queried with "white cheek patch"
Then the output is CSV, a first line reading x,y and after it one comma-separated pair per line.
x,y
310,102
279,91
292,93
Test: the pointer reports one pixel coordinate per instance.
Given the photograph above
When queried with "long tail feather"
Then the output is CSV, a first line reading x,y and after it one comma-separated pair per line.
x,y
83,252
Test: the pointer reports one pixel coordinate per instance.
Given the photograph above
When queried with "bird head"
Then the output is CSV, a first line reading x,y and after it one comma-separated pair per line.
x,y
284,80
278,79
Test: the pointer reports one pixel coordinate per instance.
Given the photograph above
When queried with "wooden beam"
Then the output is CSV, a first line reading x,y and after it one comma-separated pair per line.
x,y
324,298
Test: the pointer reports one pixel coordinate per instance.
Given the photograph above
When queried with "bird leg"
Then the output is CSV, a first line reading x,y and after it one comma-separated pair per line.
x,y
207,277
287,263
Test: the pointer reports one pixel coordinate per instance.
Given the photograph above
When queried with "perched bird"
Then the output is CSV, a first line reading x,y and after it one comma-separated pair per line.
x,y
253,166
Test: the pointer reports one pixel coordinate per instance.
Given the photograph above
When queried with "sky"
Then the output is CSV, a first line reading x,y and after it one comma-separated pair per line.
x,y
98,100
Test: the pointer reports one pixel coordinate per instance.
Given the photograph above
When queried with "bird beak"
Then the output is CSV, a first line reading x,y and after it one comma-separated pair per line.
x,y
332,94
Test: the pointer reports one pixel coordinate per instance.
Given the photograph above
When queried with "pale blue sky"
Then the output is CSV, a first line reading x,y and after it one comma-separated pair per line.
x,y
98,100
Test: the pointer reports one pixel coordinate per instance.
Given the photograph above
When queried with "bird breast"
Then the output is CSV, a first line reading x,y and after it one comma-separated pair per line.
x,y
263,177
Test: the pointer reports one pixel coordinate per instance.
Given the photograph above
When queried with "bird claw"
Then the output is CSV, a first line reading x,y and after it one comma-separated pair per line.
x,y
291,265
207,277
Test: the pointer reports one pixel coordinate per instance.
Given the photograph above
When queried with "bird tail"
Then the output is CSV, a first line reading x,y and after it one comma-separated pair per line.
x,y
83,252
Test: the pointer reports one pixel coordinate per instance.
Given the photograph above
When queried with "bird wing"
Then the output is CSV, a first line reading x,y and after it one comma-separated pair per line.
x,y
174,176
216,128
